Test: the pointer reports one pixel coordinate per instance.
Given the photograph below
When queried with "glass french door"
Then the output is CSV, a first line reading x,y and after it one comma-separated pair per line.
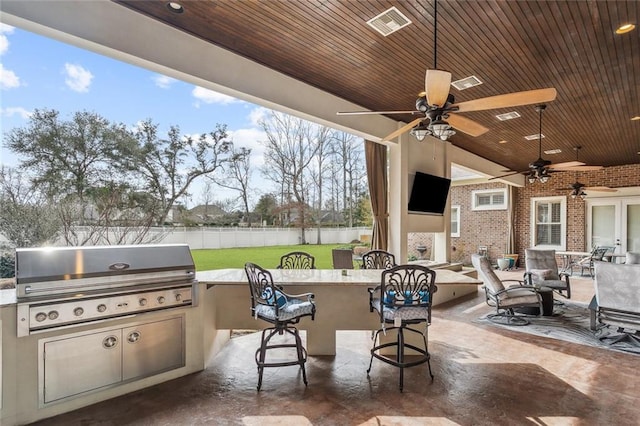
x,y
614,222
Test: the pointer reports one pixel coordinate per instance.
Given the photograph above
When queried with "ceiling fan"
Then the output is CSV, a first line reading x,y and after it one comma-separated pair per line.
x,y
540,169
577,189
438,110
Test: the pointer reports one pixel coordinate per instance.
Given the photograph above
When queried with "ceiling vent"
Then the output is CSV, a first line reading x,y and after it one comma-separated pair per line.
x,y
466,83
508,116
534,137
389,21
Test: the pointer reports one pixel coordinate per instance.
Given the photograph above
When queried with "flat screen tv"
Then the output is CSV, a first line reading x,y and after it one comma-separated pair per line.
x,y
429,194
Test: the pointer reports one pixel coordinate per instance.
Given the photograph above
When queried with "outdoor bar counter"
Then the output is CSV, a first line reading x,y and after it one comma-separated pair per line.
x,y
342,300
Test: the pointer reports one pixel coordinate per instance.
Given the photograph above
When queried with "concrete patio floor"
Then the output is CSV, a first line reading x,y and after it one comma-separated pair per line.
x,y
484,375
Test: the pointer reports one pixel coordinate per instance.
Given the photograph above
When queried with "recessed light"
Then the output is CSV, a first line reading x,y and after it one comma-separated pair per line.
x,y
553,151
503,141
636,118
175,7
622,29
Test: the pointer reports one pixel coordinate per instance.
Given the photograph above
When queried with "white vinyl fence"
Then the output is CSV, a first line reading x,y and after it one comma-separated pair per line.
x,y
203,237
200,238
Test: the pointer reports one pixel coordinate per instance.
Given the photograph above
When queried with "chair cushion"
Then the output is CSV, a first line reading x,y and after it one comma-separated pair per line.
x,y
292,309
542,274
279,297
517,297
403,312
554,284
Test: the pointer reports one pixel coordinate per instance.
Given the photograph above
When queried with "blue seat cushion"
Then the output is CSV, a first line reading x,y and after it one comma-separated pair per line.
x,y
279,298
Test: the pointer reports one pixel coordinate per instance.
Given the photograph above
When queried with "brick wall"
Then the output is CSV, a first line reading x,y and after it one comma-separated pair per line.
x,y
613,177
489,227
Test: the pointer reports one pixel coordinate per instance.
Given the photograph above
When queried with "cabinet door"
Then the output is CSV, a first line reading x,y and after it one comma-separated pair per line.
x,y
152,348
80,364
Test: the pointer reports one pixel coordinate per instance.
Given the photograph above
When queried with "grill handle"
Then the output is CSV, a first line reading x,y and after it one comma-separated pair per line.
x,y
28,289
119,266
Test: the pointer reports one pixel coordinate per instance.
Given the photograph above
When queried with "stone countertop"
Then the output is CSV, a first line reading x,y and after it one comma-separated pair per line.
x,y
7,297
321,276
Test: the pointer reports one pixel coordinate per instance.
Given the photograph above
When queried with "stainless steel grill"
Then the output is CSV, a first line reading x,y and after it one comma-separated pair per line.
x,y
70,286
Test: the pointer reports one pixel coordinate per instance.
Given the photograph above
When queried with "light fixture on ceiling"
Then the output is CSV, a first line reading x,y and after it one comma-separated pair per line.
x,y
421,130
437,128
578,193
441,129
539,172
636,118
175,7
434,124
623,29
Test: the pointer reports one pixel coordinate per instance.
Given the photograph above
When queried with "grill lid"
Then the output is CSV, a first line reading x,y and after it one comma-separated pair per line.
x,y
36,265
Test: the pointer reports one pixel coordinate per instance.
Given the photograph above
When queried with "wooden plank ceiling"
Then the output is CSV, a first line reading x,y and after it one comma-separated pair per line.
x,y
509,45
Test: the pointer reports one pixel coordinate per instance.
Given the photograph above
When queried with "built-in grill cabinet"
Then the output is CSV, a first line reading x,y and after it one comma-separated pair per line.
x,y
84,362
106,316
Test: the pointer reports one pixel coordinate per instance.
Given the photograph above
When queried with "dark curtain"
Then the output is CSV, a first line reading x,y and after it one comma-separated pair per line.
x,y
376,158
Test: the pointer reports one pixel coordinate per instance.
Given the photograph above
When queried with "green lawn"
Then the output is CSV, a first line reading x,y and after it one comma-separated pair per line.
x,y
267,257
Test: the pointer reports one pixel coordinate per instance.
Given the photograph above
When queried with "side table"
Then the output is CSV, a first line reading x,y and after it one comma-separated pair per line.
x,y
546,293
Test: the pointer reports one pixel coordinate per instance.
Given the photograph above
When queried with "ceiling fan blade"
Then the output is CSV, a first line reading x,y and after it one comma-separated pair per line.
x,y
403,129
600,189
466,125
583,168
377,112
508,100
437,84
565,165
509,174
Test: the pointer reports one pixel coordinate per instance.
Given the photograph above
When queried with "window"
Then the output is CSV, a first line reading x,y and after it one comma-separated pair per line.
x,y
548,222
455,221
489,199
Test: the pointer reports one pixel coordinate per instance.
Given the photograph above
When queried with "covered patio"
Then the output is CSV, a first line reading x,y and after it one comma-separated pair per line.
x,y
483,374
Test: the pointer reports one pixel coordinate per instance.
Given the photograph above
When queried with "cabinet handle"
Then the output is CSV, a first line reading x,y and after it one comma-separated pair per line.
x,y
133,337
110,342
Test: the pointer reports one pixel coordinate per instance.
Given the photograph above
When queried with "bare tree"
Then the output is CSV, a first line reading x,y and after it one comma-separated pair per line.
x,y
236,177
27,218
322,136
289,151
348,151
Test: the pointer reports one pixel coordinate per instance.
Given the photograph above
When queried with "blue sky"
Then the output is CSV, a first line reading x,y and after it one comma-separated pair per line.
x,y
38,72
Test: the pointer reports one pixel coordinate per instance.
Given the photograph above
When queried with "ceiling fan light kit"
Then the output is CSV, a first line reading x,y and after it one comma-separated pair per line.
x,y
420,131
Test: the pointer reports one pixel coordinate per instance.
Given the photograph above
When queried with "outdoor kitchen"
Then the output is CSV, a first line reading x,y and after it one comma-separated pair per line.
x,y
85,324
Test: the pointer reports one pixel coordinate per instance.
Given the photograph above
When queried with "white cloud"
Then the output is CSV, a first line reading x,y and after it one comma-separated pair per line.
x,y
210,97
4,44
258,114
8,79
11,111
6,29
163,81
4,41
78,78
